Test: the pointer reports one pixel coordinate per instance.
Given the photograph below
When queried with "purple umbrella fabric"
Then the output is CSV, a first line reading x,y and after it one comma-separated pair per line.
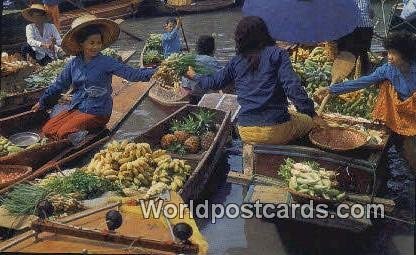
x,y
305,21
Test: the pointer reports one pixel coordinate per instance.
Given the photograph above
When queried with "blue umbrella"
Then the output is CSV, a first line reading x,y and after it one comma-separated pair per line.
x,y
305,21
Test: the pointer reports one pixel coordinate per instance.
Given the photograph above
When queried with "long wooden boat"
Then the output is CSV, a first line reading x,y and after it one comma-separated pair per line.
x,y
13,24
44,157
360,174
20,102
195,7
86,232
203,163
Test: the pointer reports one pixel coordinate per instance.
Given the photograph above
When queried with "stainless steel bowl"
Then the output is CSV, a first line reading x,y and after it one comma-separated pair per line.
x,y
24,139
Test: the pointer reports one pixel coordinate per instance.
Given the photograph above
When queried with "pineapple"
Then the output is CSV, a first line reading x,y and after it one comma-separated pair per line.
x,y
181,136
207,140
192,144
167,140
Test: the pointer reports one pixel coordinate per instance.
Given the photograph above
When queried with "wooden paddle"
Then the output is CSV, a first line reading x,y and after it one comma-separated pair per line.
x,y
342,67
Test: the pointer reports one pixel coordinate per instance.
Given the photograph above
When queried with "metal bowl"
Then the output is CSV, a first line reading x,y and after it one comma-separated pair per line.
x,y
24,139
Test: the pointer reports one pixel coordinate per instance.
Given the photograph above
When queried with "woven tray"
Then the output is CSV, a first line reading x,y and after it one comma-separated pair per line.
x,y
23,170
338,138
166,96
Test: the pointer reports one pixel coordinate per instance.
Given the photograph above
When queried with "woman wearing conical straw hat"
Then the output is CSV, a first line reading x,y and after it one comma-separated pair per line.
x,y
43,39
90,73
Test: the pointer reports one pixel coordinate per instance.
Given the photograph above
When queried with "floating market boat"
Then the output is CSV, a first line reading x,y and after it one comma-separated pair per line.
x,y
43,156
202,162
359,172
192,6
17,101
112,229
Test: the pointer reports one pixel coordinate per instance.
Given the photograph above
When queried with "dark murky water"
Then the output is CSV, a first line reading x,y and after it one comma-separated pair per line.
x,y
240,236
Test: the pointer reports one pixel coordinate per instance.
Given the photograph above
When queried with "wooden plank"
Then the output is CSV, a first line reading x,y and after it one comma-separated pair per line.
x,y
126,99
238,178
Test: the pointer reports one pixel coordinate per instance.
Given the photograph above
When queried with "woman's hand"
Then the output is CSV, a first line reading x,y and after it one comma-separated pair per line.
x,y
190,73
318,121
320,94
36,107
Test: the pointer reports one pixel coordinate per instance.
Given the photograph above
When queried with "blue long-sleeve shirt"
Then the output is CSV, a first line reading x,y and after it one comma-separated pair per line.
x,y
171,42
92,83
404,85
263,93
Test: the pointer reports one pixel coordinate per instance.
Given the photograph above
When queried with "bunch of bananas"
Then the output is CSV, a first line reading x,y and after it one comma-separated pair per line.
x,y
6,147
300,54
134,164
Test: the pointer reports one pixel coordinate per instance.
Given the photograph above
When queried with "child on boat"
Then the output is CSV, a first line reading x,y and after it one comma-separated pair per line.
x,y
90,73
171,42
264,80
396,102
43,39
205,49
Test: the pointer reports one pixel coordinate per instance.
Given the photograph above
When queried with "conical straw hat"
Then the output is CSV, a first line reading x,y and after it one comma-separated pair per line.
x,y
28,12
109,32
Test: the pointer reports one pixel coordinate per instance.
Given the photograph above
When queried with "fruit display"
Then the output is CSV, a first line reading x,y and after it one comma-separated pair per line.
x,y
47,75
6,147
136,165
11,64
192,134
311,179
174,67
315,72
153,54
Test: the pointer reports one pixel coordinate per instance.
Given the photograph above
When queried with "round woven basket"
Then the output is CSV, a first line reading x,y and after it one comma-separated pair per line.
x,y
338,138
23,171
167,96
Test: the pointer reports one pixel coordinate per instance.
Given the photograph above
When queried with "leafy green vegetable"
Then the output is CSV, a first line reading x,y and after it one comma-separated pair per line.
x,y
23,199
285,169
152,57
154,42
88,185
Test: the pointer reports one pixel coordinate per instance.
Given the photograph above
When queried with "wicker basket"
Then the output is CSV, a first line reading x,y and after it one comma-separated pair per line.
x,y
338,138
167,97
23,170
331,50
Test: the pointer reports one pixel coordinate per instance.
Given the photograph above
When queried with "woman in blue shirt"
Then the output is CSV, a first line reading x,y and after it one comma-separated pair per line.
x,y
264,81
90,73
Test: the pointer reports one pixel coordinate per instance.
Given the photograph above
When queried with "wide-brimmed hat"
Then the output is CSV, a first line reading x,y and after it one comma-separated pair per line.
x,y
28,12
109,32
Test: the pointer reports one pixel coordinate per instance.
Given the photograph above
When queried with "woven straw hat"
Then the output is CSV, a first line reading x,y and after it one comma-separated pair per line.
x,y
28,12
109,32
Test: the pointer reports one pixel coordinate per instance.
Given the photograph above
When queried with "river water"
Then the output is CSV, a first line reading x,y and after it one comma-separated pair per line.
x,y
254,236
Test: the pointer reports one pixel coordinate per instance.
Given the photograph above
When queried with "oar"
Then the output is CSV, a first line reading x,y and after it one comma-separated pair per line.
x,y
342,67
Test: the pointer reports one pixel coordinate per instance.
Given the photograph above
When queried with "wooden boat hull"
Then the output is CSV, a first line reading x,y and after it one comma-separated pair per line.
x,y
197,7
134,225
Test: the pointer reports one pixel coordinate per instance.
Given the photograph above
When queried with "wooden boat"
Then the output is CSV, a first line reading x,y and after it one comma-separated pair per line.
x,y
203,163
20,102
195,7
360,173
43,158
13,24
86,232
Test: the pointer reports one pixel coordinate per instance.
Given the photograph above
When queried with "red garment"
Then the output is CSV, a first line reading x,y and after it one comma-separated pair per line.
x,y
72,121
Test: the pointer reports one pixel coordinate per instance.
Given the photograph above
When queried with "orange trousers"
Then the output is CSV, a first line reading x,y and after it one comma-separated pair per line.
x,y
72,121
53,12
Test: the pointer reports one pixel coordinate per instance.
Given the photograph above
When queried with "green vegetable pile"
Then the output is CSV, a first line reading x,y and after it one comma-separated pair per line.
x,y
309,178
23,199
315,72
111,53
47,75
153,54
7,147
87,185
